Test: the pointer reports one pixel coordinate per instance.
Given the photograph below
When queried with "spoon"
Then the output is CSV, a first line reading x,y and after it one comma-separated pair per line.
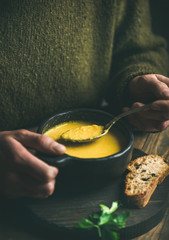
x,y
102,130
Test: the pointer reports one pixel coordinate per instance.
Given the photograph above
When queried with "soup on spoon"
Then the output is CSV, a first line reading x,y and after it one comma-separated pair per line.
x,y
82,133
94,132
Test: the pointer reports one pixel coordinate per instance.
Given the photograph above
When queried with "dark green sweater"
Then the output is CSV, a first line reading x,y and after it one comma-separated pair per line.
x,y
61,54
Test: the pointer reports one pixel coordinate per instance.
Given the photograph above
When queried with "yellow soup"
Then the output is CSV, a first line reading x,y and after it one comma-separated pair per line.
x,y
109,144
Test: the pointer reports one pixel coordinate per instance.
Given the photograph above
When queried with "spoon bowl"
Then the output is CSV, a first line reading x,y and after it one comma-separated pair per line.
x,y
97,131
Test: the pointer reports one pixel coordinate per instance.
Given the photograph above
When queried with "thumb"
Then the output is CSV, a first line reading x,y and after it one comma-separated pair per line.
x,y
41,143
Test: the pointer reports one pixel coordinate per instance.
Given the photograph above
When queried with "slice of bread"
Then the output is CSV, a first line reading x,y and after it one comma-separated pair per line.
x,y
145,173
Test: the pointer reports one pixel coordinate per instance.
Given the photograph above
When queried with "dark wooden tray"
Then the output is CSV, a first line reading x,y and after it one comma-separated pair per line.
x,y
72,201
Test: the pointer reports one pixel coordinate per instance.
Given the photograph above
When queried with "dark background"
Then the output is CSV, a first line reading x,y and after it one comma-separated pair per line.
x,y
160,18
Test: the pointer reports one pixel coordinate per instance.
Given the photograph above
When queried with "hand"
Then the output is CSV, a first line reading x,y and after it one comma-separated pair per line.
x,y
21,173
150,88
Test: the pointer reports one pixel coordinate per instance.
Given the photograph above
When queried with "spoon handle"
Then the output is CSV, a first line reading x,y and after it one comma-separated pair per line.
x,y
134,110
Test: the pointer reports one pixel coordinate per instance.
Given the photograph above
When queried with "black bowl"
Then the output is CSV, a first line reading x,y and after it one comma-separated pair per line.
x,y
109,167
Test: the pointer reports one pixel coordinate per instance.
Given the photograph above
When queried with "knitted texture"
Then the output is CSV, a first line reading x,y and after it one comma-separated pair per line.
x,y
62,54
137,51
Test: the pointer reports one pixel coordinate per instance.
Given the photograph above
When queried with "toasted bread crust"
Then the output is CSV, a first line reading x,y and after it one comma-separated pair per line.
x,y
145,173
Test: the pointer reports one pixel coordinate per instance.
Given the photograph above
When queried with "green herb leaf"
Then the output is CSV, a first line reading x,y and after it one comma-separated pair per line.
x,y
95,216
109,235
85,223
108,210
108,222
121,219
104,218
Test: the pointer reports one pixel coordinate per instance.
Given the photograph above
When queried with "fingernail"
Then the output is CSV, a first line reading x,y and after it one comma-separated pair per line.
x,y
165,93
54,172
59,147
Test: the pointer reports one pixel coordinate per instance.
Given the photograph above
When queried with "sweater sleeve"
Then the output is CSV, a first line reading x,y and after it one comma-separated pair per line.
x,y
137,51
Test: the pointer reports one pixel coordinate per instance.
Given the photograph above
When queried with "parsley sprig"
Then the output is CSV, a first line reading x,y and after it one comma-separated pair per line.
x,y
107,222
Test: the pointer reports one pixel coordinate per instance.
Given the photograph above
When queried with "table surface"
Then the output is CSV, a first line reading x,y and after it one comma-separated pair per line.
x,y
11,227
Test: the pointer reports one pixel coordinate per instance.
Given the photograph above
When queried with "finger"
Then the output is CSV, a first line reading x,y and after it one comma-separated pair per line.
x,y
154,115
137,105
147,125
160,89
143,123
159,111
160,105
39,142
152,86
15,185
37,191
24,161
162,78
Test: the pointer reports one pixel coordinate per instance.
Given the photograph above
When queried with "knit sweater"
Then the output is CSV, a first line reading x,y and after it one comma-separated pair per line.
x,y
61,54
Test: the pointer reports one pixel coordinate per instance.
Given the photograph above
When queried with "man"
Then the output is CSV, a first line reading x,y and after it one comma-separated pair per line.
x,y
65,54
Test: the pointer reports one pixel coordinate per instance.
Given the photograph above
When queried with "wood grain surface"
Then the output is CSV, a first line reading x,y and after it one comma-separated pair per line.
x,y
15,225
75,200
